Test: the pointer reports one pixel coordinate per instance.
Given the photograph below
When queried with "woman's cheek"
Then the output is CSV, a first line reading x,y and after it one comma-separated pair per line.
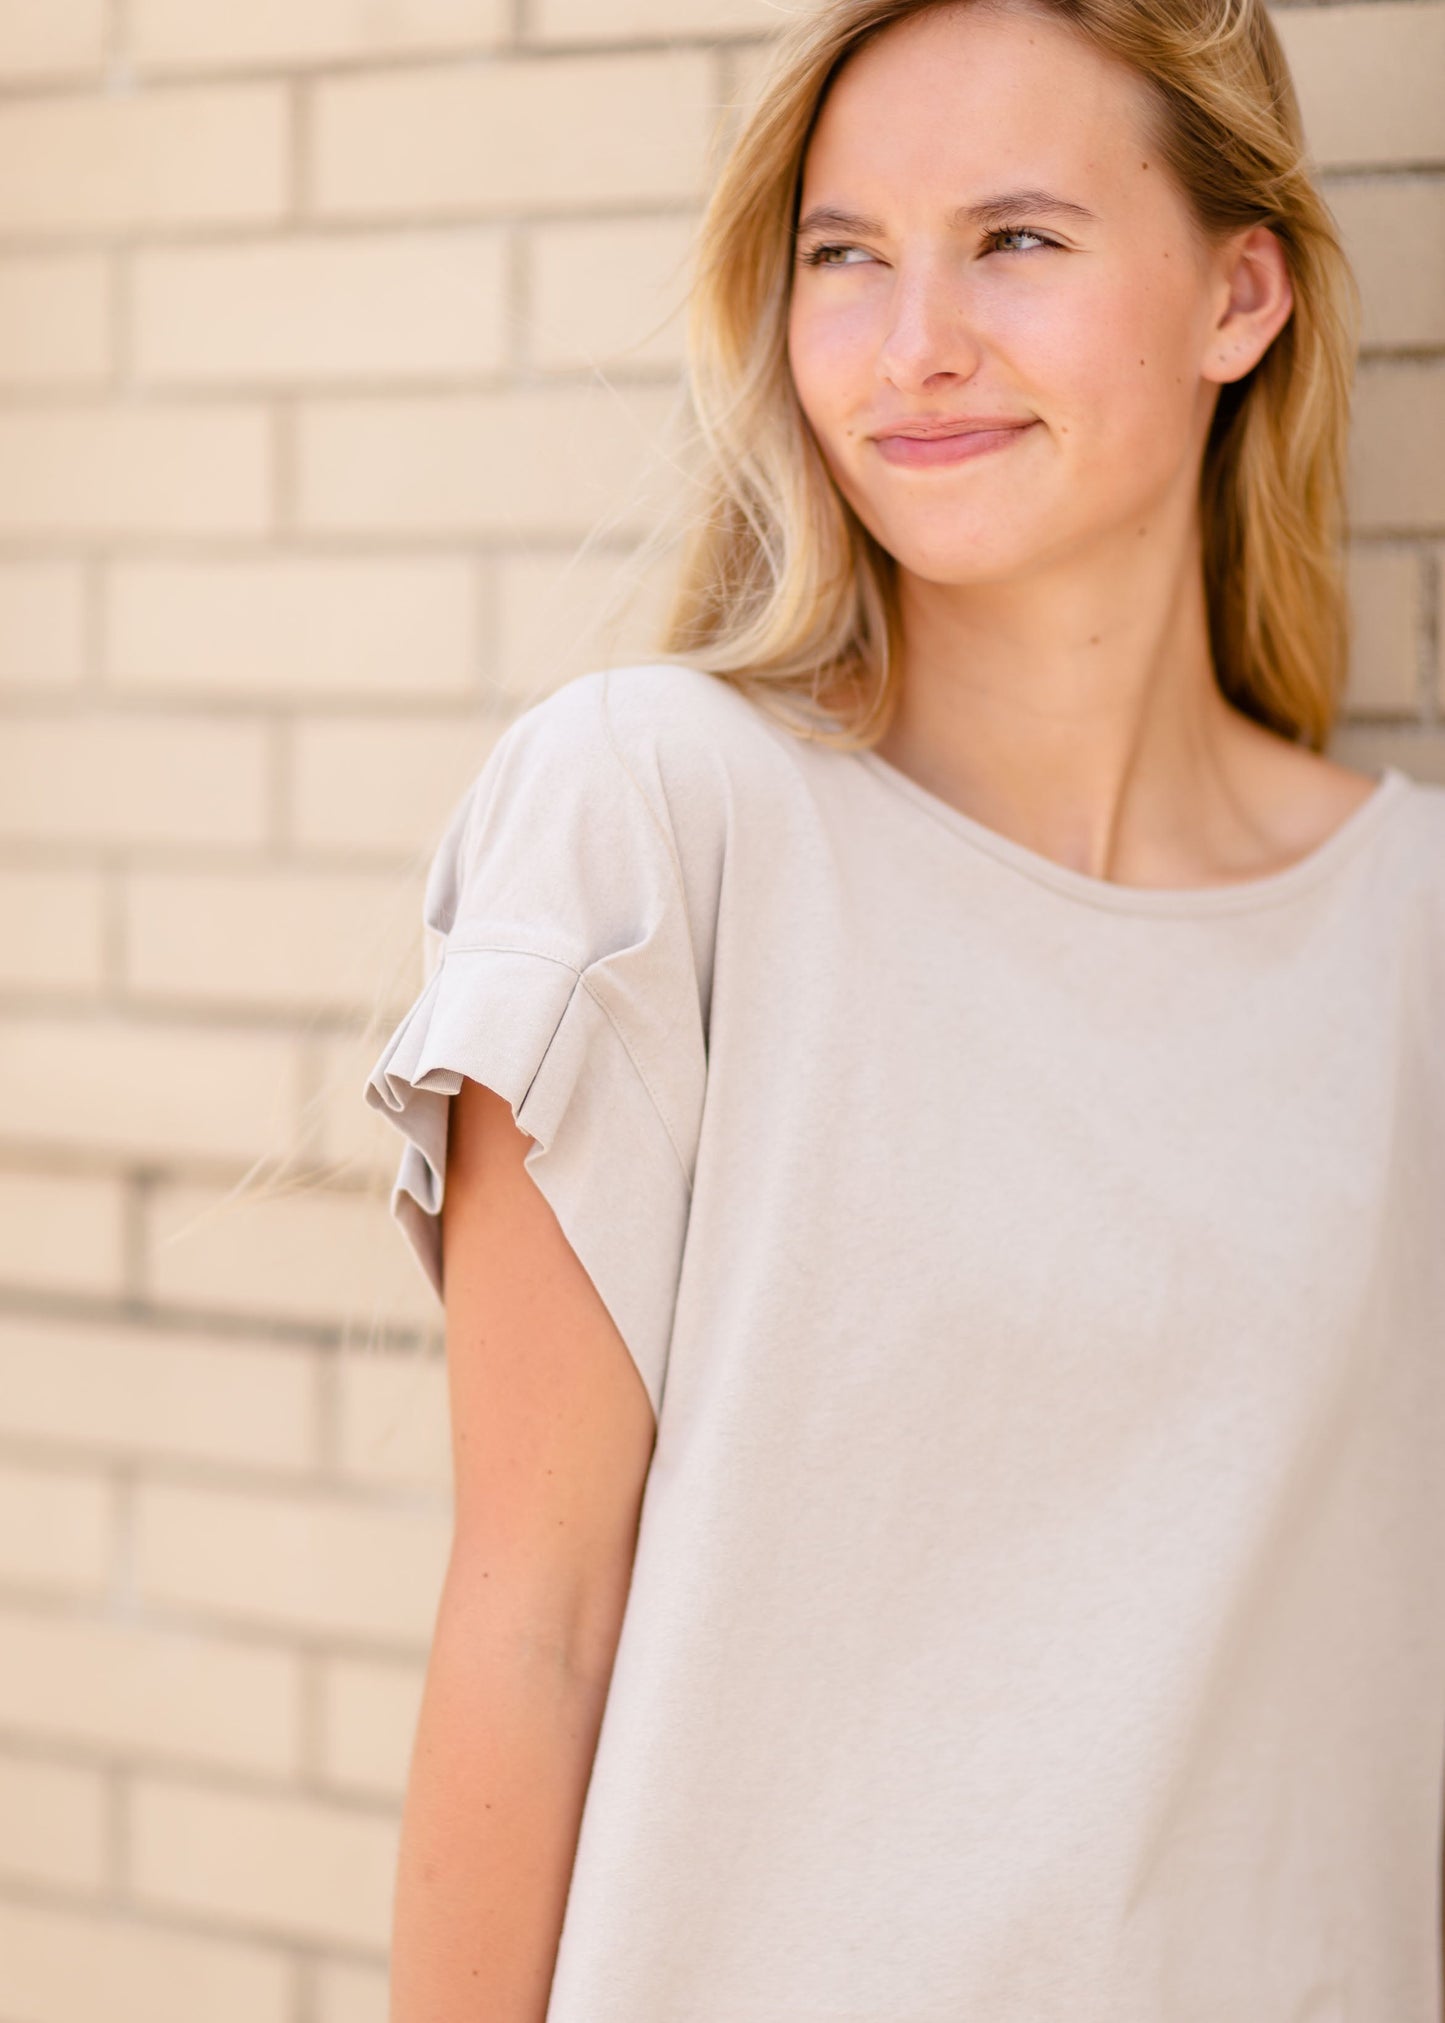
x,y
806,365
833,353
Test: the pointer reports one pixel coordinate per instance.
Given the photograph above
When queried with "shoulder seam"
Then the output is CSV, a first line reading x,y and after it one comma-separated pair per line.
x,y
662,828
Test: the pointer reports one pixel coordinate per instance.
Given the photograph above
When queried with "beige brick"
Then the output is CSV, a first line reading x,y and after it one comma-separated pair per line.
x,y
558,461
52,1824
56,1529
40,38
114,1389
51,37
587,133
148,1091
322,1565
347,1994
1394,233
295,626
312,1256
325,309
284,940
212,155
61,1232
133,780
621,20
1369,80
369,1717
393,1423
560,615
383,785
177,34
67,1967
125,1687
1384,600
42,624
97,472
54,321
1397,446
288,1866
608,294
1421,753
51,930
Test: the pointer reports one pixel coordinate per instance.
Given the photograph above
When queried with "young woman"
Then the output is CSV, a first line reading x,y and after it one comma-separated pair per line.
x,y
932,1102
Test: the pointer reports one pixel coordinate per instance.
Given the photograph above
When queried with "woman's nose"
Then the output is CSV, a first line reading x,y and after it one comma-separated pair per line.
x,y
926,331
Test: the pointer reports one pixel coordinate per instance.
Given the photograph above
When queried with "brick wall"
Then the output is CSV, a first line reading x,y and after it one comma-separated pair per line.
x,y
338,352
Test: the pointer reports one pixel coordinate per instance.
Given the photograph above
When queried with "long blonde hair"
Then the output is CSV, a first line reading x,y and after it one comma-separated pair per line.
x,y
781,589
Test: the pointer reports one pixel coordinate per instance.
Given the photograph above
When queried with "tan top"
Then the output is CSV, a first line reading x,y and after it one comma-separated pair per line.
x,y
1039,1605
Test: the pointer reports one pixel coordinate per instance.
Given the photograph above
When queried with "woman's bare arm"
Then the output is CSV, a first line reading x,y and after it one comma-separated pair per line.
x,y
552,1436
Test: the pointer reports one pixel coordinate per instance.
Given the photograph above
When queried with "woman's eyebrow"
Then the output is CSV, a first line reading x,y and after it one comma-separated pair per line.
x,y
994,210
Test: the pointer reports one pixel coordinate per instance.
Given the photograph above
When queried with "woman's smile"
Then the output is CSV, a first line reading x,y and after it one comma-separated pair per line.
x,y
915,451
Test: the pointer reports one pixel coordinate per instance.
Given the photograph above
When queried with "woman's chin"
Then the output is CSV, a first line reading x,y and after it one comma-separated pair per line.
x,y
961,562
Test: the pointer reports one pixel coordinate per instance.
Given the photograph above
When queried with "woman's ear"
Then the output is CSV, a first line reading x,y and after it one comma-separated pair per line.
x,y
1255,298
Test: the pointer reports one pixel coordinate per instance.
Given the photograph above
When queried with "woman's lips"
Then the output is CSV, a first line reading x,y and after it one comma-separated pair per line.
x,y
948,449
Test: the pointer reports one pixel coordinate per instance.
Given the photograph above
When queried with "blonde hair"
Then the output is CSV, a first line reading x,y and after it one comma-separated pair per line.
x,y
782,590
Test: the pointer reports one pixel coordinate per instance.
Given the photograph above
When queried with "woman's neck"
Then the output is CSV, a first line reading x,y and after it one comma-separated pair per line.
x,y
1086,721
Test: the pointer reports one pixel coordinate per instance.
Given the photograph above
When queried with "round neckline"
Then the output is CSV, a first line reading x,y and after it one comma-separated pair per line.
x,y
1239,896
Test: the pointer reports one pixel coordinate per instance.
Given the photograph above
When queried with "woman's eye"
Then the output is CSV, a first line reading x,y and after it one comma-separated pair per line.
x,y
1018,232
820,256
837,256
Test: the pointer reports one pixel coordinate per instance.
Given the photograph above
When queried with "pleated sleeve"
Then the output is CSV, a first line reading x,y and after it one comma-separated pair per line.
x,y
560,973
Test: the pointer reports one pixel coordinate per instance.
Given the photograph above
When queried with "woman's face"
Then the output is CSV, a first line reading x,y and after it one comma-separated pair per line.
x,y
1079,313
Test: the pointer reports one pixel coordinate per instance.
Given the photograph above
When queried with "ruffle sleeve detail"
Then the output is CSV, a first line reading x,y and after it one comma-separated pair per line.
x,y
532,1028
563,975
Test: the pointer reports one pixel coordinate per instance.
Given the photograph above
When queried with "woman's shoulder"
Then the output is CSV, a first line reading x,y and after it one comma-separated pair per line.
x,y
674,710
1422,813
692,746
610,784
1392,799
